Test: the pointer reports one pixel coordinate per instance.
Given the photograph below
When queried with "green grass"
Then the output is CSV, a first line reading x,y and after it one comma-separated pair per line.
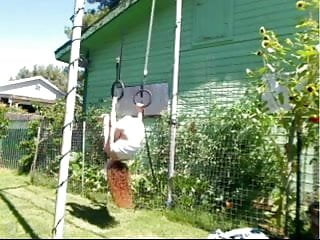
x,y
204,220
27,211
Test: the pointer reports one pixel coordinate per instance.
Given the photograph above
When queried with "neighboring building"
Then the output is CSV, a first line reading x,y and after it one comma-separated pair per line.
x,y
218,41
24,92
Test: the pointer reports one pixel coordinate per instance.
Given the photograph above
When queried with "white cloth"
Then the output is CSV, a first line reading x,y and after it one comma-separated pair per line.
x,y
133,129
239,233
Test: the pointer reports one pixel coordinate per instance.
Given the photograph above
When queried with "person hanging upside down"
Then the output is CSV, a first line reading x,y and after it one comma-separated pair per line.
x,y
129,134
128,139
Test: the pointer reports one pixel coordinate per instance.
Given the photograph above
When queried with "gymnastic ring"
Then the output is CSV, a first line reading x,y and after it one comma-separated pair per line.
x,y
140,92
118,84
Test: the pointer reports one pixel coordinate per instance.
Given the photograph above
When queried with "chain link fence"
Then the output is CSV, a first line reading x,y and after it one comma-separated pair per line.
x,y
10,152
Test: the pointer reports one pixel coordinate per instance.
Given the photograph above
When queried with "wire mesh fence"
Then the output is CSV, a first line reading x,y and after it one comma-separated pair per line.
x,y
227,173
10,152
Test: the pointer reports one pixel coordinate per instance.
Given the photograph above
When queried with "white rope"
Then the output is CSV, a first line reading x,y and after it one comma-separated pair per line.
x,y
145,74
145,71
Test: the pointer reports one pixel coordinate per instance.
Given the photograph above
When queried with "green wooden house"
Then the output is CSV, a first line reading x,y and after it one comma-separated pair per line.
x,y
218,42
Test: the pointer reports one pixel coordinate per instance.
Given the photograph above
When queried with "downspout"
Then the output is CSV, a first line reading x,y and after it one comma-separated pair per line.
x,y
174,101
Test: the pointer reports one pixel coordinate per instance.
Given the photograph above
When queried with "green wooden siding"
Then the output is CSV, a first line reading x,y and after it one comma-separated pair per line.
x,y
214,56
101,72
212,21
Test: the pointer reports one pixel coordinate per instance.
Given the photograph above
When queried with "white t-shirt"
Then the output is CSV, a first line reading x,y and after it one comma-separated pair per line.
x,y
133,128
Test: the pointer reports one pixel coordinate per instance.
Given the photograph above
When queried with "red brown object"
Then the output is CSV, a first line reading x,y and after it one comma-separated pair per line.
x,y
120,184
314,119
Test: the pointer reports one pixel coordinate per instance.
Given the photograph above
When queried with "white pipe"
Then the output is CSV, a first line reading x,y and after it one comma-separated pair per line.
x,y
69,116
174,100
83,154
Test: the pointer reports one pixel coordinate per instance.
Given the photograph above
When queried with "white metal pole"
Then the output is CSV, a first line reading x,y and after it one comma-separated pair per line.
x,y
174,100
69,116
83,154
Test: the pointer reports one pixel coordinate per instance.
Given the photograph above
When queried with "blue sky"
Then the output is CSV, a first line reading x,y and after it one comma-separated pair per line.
x,y
30,33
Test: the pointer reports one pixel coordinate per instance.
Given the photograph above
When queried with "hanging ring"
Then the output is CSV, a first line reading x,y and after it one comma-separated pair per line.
x,y
141,91
118,84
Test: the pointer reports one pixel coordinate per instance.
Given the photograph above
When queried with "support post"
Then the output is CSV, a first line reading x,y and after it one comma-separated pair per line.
x,y
68,120
35,157
298,185
83,155
174,101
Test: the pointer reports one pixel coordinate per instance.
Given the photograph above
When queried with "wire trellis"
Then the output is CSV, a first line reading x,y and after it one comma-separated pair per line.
x,y
224,176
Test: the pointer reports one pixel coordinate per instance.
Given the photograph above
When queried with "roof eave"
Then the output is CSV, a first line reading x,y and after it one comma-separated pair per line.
x,y
34,78
26,98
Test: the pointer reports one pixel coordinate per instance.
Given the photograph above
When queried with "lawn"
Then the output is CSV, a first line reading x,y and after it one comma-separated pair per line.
x,y
27,211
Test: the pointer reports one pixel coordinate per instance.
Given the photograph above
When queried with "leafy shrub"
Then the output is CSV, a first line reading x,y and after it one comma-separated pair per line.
x,y
51,125
29,147
227,154
242,152
49,155
149,188
93,176
3,120
288,86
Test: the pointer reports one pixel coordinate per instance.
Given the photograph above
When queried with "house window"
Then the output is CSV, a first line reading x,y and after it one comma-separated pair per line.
x,y
38,87
212,21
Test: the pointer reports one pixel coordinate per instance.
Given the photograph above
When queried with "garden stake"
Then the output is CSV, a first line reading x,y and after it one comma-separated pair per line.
x,y
299,148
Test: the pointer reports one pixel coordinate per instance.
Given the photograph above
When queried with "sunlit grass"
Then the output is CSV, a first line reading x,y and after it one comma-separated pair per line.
x,y
27,211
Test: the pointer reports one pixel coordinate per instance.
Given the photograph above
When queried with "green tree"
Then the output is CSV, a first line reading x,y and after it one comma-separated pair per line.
x,y
92,15
3,120
23,73
52,124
